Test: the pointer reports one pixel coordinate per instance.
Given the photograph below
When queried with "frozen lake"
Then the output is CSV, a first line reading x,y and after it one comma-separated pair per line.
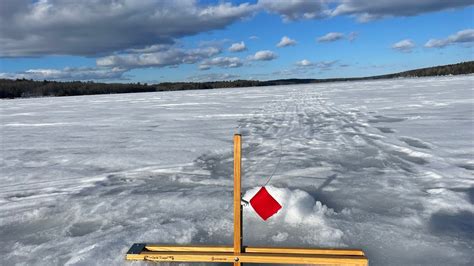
x,y
386,166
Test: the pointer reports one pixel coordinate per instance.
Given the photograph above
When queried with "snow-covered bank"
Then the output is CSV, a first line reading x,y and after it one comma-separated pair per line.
x,y
381,165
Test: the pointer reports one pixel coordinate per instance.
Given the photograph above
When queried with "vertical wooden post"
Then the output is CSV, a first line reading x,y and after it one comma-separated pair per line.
x,y
237,197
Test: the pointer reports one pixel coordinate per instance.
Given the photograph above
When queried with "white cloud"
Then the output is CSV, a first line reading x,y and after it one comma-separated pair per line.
x,y
150,48
286,41
304,63
331,37
363,10
169,57
352,36
204,67
253,37
225,62
367,10
238,47
291,10
405,46
84,73
265,55
464,36
212,77
325,65
91,27
436,43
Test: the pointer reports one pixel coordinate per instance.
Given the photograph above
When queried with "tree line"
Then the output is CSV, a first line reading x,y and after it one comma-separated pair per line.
x,y
23,88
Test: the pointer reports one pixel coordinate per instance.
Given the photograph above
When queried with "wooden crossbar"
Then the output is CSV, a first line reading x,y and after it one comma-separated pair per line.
x,y
239,254
159,253
283,250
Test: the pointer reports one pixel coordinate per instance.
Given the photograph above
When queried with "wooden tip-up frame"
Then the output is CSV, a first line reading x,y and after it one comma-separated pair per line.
x,y
163,253
238,254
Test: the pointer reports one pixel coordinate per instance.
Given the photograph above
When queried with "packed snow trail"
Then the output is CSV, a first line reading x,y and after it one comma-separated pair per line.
x,y
385,166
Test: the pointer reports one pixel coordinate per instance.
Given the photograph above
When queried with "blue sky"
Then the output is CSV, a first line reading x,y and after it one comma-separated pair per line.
x,y
157,41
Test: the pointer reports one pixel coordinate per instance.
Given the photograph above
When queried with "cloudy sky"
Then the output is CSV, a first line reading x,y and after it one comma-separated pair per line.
x,y
189,40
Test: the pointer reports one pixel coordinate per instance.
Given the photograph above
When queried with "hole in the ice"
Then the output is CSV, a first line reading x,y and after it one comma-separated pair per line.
x,y
326,182
325,197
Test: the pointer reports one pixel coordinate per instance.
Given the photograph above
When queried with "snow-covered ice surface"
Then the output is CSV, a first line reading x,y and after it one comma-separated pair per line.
x,y
385,165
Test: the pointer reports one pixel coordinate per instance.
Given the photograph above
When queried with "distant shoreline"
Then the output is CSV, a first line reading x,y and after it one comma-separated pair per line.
x,y
23,88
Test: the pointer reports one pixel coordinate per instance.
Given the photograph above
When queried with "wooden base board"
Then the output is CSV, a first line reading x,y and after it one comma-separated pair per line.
x,y
163,253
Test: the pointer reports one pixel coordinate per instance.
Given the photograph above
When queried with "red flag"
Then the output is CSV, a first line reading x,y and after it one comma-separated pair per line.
x,y
264,204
